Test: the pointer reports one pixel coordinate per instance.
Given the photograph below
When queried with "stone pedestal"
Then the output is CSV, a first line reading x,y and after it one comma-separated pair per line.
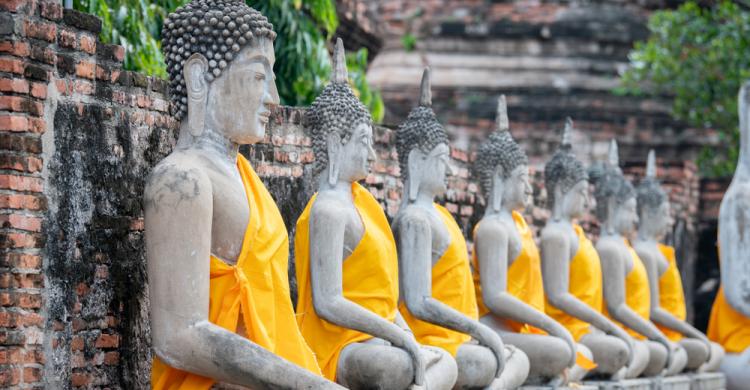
x,y
572,386
625,384
680,382
708,381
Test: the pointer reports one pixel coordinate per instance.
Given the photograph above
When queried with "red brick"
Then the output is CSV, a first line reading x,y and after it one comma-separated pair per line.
x,y
102,73
29,164
10,375
16,123
40,30
51,10
107,341
64,87
86,69
29,300
83,87
31,318
19,240
44,54
88,43
8,319
32,374
67,38
21,183
20,49
14,85
39,90
37,125
79,379
119,52
77,343
21,222
14,5
112,358
21,201
21,104
12,65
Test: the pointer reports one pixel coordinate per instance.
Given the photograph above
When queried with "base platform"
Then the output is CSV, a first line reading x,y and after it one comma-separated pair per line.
x,y
708,381
572,386
625,384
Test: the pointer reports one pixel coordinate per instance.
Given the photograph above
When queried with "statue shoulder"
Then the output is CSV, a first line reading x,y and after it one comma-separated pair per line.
x,y
554,231
329,208
608,248
492,228
412,217
177,179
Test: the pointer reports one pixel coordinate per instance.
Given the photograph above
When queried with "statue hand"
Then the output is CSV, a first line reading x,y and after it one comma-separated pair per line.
x,y
629,342
670,351
411,347
491,340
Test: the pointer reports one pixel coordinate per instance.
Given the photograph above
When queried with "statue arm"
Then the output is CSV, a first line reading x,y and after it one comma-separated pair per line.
x,y
613,271
491,245
326,273
178,205
556,277
415,263
659,315
734,244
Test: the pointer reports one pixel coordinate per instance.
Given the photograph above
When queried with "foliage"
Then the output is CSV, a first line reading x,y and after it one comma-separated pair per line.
x,y
409,42
305,30
700,57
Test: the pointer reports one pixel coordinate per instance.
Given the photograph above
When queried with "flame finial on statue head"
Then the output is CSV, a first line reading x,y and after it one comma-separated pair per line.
x,y
340,74
613,157
567,136
425,89
651,164
501,119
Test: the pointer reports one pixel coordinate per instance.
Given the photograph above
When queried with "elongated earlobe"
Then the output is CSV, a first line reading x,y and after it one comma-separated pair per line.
x,y
334,152
197,92
414,163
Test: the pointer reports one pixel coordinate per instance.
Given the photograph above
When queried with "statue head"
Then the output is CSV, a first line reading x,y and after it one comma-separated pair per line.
x,y
502,167
340,127
615,196
653,204
422,146
566,180
219,56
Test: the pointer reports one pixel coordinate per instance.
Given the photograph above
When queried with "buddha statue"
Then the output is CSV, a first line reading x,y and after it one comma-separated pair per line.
x,y
507,270
216,246
346,260
626,288
729,324
571,269
668,309
438,298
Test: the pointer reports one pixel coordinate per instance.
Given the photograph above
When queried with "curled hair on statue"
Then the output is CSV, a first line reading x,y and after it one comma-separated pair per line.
x,y
609,184
650,193
499,149
335,111
421,130
215,29
563,168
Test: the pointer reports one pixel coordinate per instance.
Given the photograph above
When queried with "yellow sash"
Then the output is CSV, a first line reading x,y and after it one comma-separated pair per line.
x,y
370,279
257,287
451,285
585,283
671,294
637,292
524,277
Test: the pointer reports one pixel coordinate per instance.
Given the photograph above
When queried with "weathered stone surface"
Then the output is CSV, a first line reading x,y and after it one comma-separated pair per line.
x,y
625,384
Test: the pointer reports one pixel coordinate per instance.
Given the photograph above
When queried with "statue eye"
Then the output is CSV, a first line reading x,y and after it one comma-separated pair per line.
x,y
260,76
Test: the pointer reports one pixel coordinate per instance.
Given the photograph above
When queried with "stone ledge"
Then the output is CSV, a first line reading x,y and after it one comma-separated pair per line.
x,y
708,381
626,384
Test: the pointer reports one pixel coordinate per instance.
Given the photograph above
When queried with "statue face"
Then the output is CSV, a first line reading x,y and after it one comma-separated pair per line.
x,y
435,169
575,202
356,154
517,189
241,99
660,222
625,217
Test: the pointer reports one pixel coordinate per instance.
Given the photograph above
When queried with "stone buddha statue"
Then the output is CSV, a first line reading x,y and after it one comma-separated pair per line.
x,y
729,324
668,309
571,268
438,298
216,245
626,287
346,258
507,270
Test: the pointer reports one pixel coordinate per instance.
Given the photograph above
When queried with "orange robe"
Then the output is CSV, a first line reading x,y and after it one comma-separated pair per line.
x,y
257,288
451,285
524,277
637,292
584,283
671,293
370,279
